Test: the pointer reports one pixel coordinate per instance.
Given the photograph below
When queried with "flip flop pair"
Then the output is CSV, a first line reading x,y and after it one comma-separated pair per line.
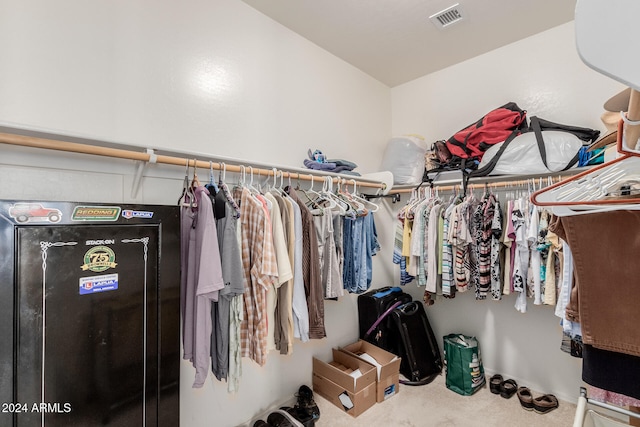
x,y
541,405
505,388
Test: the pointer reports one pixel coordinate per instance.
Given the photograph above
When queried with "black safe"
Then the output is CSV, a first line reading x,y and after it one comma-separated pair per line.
x,y
89,314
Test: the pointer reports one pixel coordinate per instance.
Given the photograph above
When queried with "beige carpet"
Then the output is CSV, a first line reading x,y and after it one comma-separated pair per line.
x,y
435,405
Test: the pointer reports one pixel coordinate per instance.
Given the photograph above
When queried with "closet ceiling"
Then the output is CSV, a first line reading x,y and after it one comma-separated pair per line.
x,y
395,42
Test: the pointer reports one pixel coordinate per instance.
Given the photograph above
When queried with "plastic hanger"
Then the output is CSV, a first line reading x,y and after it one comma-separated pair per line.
x,y
372,207
312,196
327,196
188,198
595,190
195,182
250,186
212,181
222,176
348,198
341,205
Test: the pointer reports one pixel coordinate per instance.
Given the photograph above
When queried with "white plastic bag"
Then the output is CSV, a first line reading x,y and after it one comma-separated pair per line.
x,y
404,158
522,155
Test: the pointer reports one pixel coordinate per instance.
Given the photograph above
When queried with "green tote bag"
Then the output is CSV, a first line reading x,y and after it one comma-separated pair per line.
x,y
463,363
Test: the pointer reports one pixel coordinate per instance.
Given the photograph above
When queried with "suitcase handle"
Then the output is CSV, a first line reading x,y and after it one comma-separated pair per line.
x,y
389,291
409,308
379,319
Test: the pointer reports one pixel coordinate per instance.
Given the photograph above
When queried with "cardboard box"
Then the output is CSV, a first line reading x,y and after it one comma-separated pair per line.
x,y
348,382
387,366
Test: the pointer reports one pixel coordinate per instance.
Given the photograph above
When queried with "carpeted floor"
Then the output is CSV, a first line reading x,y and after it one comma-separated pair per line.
x,y
435,405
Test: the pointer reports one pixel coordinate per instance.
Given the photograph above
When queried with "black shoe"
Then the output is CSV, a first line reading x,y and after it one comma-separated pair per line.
x,y
302,415
278,419
306,403
260,423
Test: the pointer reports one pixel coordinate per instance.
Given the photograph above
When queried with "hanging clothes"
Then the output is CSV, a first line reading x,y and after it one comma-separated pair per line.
x,y
329,269
231,263
310,269
260,271
496,234
398,245
299,302
448,283
201,279
284,309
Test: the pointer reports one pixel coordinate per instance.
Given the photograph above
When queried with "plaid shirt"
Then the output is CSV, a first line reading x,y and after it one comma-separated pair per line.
x,y
260,270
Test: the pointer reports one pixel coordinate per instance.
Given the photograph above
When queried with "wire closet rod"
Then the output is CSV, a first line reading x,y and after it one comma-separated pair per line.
x,y
73,147
498,184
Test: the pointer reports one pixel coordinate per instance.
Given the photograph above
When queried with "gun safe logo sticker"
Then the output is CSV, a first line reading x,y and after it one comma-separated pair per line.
x,y
136,214
34,212
98,259
92,285
96,213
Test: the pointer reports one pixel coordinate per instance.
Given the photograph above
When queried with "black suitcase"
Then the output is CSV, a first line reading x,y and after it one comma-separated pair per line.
x,y
418,347
371,306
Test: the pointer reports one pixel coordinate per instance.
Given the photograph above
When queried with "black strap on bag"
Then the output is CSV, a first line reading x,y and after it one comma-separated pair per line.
x,y
537,125
585,134
490,166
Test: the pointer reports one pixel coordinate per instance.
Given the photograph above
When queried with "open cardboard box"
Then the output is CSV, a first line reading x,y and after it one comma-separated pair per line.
x,y
347,381
387,366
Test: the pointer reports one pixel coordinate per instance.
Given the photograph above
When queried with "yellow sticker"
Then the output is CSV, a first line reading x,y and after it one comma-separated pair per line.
x,y
99,258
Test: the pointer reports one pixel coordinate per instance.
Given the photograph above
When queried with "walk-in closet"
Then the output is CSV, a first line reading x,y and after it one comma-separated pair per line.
x,y
117,104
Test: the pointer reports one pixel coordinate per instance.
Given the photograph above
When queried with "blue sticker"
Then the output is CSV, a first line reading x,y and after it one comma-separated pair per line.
x,y
94,284
128,214
389,391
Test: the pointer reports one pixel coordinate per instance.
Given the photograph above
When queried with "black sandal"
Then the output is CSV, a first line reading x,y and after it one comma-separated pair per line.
x,y
495,383
508,388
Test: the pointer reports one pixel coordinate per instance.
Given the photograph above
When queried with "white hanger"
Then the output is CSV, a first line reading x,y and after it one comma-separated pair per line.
x,y
250,186
586,192
372,207
334,202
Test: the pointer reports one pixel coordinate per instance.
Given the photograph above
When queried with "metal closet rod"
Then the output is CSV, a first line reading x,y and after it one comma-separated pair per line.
x,y
73,147
497,184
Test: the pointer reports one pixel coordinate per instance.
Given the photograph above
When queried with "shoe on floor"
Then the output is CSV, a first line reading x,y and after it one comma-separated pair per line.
x,y
305,402
302,415
280,418
494,383
526,398
260,423
508,388
545,403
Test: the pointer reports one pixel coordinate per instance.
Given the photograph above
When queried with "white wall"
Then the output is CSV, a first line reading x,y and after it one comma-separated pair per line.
x,y
544,76
210,76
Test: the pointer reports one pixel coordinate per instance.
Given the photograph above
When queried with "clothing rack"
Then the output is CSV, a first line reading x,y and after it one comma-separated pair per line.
x,y
152,156
500,184
394,197
583,401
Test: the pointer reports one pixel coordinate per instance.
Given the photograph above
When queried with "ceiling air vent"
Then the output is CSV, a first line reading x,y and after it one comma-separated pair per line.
x,y
447,17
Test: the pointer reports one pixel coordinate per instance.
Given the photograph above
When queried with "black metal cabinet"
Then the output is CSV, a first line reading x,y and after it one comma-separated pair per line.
x,y
89,314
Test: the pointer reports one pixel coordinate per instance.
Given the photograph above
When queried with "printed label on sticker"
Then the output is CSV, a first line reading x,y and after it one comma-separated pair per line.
x,y
98,259
389,391
92,285
128,214
96,213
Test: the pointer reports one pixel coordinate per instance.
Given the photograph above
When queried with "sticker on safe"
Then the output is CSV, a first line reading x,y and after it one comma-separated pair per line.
x,y
34,212
96,213
95,284
128,214
99,259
